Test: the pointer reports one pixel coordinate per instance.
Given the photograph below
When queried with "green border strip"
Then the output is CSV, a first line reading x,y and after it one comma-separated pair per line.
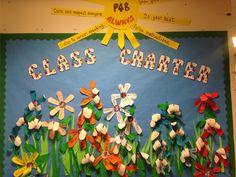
x,y
223,34
2,101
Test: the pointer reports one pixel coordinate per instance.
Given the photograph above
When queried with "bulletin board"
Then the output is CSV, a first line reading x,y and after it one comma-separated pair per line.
x,y
98,110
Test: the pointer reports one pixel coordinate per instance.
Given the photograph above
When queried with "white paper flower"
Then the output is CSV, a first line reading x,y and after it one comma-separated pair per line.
x,y
120,140
155,119
143,155
161,166
127,99
20,122
130,120
116,110
87,159
34,124
174,109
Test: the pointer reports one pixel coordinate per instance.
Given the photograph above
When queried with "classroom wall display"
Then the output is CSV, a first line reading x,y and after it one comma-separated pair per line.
x,y
96,110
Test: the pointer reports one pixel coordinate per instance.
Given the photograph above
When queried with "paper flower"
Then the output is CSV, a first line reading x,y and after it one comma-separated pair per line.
x,y
92,94
79,134
162,166
202,171
177,134
34,124
186,156
116,110
174,109
27,164
159,144
206,100
220,157
61,105
127,99
139,155
109,159
86,114
20,122
120,140
130,120
99,131
17,141
211,125
88,159
54,127
34,105
202,147
121,169
155,119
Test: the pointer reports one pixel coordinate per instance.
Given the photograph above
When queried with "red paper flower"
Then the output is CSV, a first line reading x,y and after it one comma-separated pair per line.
x,y
202,147
220,156
209,172
206,100
211,125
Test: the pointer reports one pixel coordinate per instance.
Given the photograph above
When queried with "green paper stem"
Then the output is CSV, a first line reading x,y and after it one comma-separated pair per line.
x,y
54,160
221,146
71,162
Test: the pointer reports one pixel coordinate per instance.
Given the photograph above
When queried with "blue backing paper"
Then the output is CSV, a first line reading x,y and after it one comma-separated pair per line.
x,y
151,86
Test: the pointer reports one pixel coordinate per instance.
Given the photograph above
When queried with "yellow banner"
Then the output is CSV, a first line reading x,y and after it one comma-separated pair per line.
x,y
76,12
157,37
67,42
166,19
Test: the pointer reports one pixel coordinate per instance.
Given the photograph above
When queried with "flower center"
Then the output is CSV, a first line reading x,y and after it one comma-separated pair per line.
x,y
29,165
36,103
130,119
116,108
123,95
62,104
105,154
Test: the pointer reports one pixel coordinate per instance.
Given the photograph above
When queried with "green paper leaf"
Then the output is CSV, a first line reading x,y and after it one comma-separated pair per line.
x,y
102,170
90,106
42,159
201,123
131,136
88,170
63,147
30,148
98,114
66,120
163,106
88,127
142,167
132,110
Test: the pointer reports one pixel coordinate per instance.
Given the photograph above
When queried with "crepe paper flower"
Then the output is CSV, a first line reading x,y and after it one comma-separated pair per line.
x,y
88,159
155,119
220,156
211,125
54,127
159,144
121,169
35,124
206,100
178,135
61,105
99,131
202,171
26,164
86,114
79,134
174,109
140,155
116,110
20,122
120,140
130,120
162,166
202,147
92,95
109,159
17,141
127,99
186,156
34,105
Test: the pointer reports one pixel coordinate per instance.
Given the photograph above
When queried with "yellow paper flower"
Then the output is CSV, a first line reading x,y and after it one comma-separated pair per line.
x,y
26,164
61,105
